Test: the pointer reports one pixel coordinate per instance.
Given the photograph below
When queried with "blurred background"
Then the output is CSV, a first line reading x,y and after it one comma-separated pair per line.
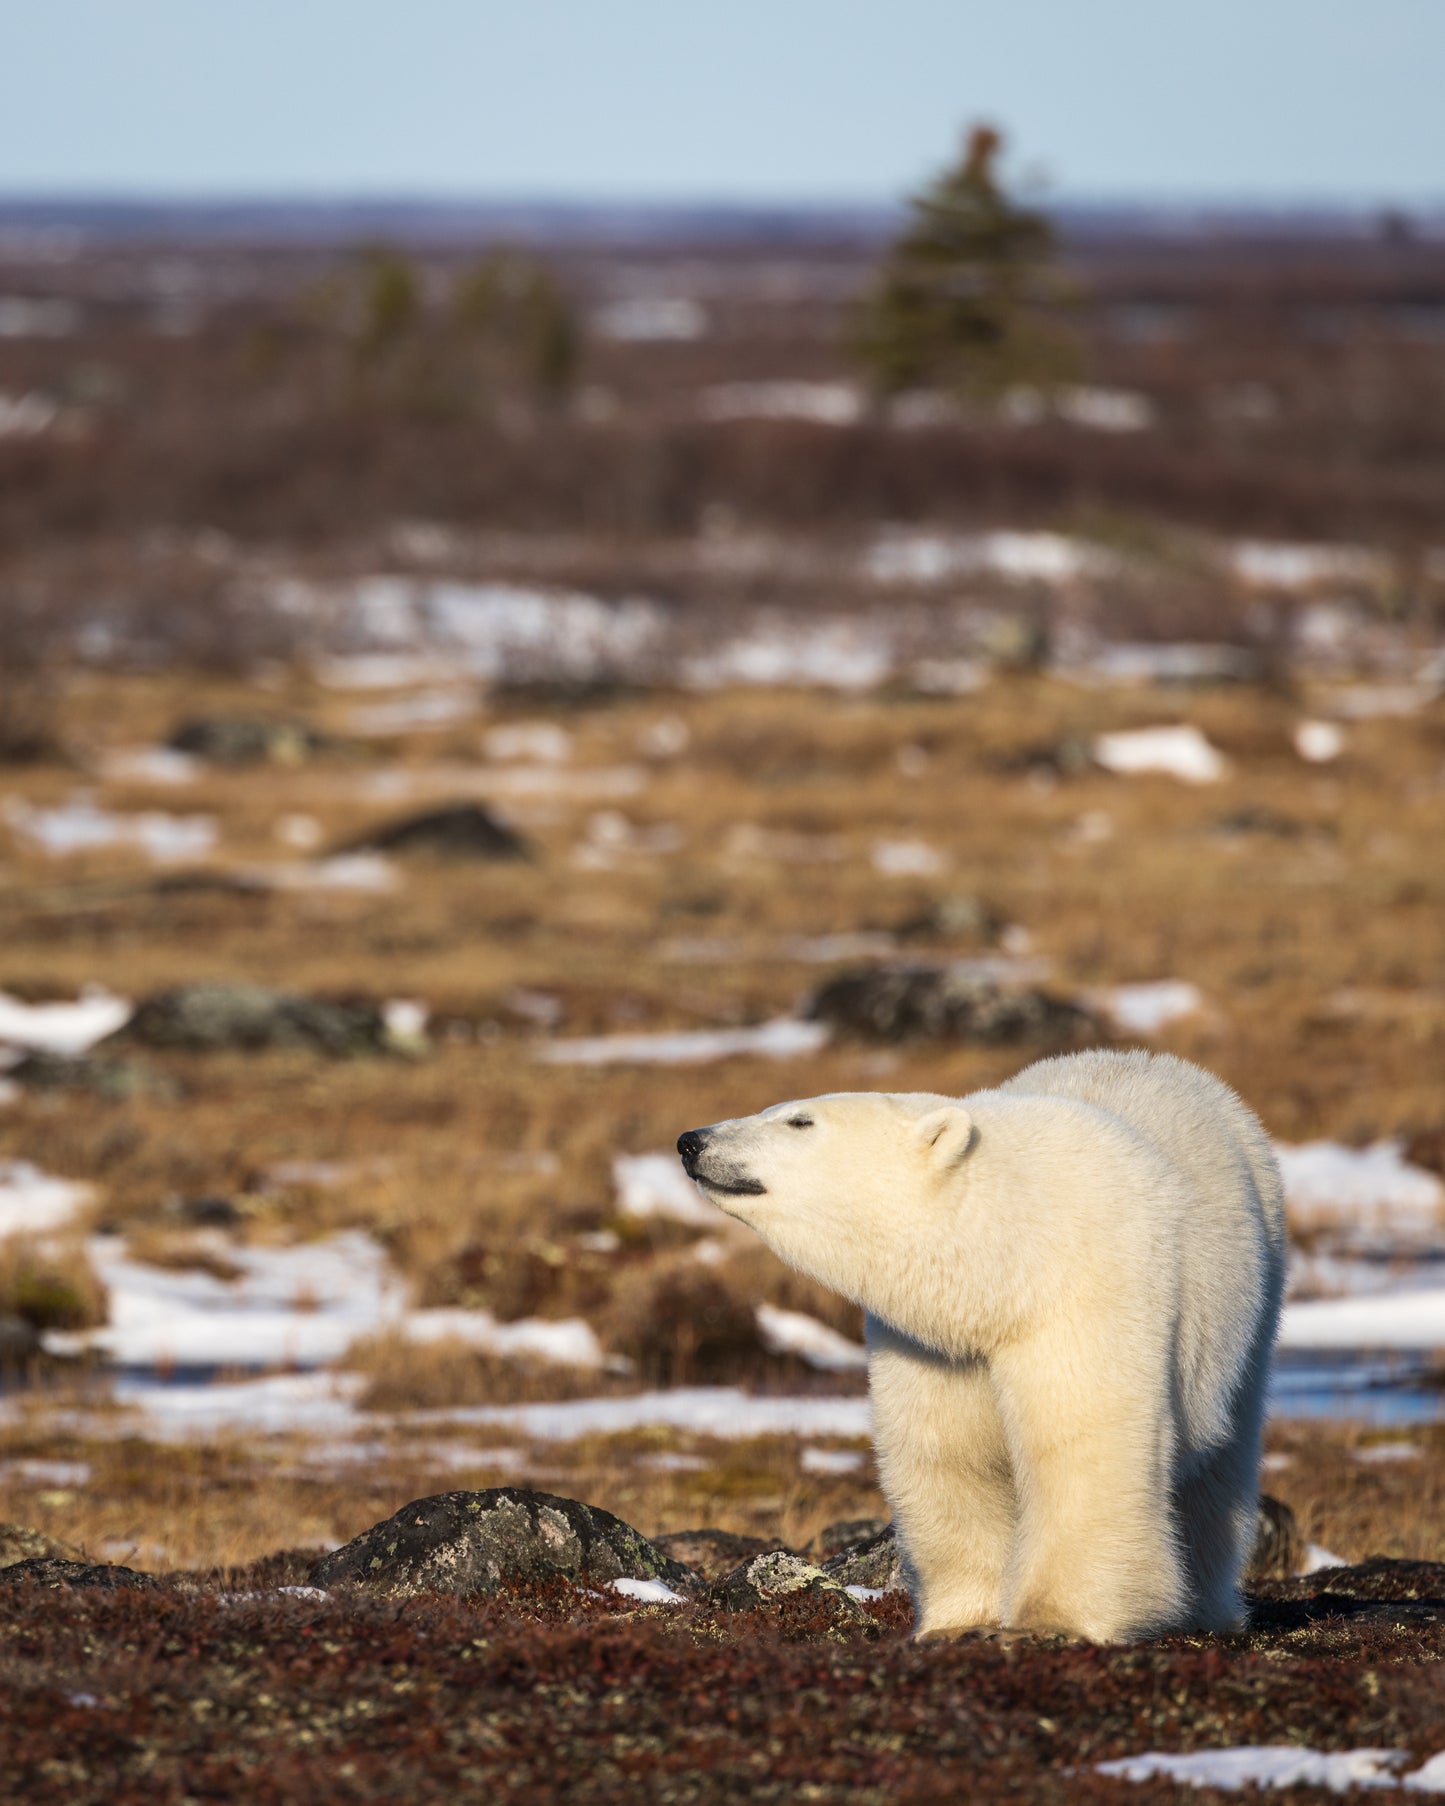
x,y
570,573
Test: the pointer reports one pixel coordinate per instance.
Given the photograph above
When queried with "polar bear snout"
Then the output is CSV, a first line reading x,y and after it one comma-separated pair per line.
x,y
702,1163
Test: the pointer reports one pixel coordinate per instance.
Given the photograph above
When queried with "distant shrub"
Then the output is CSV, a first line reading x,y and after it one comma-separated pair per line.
x,y
963,300
50,1285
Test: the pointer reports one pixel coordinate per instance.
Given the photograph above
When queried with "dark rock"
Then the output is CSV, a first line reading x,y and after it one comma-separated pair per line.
x,y
208,1018
207,1213
1279,1549
459,831
780,1576
116,1080
1379,1579
475,1543
872,1561
19,1342
1398,1594
54,1572
938,1003
246,740
712,1553
18,1543
833,1539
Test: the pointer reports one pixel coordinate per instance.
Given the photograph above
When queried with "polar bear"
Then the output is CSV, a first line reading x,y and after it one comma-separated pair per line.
x,y
1072,1285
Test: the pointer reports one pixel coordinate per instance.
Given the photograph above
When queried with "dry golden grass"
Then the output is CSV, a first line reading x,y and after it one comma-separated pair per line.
x,y
1318,943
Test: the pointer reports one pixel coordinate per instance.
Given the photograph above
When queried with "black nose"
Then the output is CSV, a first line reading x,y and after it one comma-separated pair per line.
x,y
690,1145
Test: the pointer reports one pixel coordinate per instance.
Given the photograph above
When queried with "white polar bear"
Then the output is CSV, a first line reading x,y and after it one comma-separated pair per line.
x,y
1072,1285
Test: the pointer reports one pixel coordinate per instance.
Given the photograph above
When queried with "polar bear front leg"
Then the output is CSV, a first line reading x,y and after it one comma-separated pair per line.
x,y
1097,1553
944,1467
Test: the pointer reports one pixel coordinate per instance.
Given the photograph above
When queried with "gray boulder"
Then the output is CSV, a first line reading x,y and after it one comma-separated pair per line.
x,y
712,1553
114,1080
458,831
475,1543
779,1576
941,1003
19,1543
210,1018
246,740
54,1572
872,1561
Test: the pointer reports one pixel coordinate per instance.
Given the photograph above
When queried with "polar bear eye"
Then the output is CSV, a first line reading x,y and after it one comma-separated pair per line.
x,y
800,1122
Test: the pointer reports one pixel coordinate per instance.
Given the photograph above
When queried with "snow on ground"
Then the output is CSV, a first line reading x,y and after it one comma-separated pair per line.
x,y
542,742
316,1404
782,1039
1105,410
847,653
1414,1320
647,1592
828,404
1378,1452
34,1203
80,827
1372,1189
1178,662
832,1461
1176,752
703,1410
795,1333
1271,564
1272,1766
644,319
918,556
1317,742
567,1341
654,1185
1144,1009
906,859
368,872
68,1029
149,765
427,709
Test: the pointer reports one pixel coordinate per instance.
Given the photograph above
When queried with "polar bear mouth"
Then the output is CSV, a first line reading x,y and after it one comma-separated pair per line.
x,y
732,1188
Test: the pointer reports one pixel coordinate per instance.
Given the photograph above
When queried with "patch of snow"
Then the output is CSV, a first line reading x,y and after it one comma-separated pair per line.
x,y
832,1461
827,404
724,1411
406,714
1176,752
1105,410
650,319
948,676
383,670
281,1404
47,1473
1265,1765
80,827
1317,742
782,1039
864,1594
541,741
1180,662
37,317
68,1029
664,739
568,1341
848,654
26,416
1428,1778
647,1592
908,555
34,1203
1392,1320
1366,702
298,1306
654,1185
795,1333
1144,1009
1318,1558
149,765
1326,1184
906,859
1376,1452
300,831
369,872
303,1592
1271,564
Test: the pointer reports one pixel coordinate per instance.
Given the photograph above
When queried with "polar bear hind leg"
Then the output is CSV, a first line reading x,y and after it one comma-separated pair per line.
x,y
944,1466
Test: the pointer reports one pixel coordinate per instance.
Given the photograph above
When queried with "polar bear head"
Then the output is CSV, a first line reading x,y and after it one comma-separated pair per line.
x,y
829,1182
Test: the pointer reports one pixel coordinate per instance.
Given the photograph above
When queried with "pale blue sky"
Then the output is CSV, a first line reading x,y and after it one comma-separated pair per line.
x,y
1223,100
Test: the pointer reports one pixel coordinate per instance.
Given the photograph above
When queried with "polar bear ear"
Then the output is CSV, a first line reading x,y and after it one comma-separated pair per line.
x,y
946,1135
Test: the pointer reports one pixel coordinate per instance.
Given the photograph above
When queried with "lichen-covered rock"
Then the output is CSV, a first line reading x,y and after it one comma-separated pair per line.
x,y
941,1003
116,1080
210,1018
19,1543
56,1571
474,1543
458,831
873,1561
712,1553
777,1576
846,1533
246,740
1279,1549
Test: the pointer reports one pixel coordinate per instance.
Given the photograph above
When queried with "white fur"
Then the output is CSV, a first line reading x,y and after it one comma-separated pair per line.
x,y
1072,1285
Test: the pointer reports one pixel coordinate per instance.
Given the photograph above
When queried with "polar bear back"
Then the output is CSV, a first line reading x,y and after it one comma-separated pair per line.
x,y
1232,1252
